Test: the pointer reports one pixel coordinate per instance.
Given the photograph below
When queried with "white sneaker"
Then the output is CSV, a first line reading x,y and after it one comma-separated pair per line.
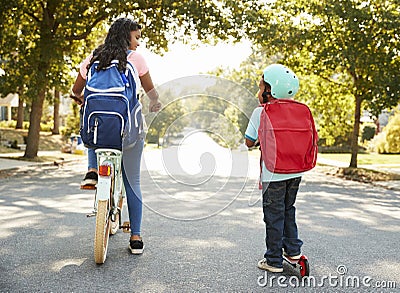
x,y
262,264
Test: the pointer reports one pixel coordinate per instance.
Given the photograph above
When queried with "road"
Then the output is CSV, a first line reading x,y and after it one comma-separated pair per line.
x,y
202,227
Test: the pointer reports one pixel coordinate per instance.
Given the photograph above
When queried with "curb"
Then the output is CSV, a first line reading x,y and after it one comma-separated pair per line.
x,y
389,185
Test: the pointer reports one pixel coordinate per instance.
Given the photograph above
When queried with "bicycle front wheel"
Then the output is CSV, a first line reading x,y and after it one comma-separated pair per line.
x,y
102,232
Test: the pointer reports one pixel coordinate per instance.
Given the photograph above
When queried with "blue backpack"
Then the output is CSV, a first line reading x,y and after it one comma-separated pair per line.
x,y
112,115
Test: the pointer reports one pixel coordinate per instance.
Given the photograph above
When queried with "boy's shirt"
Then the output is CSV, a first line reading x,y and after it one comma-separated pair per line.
x,y
252,134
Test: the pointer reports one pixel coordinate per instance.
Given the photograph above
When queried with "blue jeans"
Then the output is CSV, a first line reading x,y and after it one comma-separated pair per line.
x,y
131,175
280,220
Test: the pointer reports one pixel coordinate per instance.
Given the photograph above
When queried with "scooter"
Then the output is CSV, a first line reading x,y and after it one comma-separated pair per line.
x,y
300,264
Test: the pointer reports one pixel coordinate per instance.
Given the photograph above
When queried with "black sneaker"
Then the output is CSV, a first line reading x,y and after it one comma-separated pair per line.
x,y
136,246
91,178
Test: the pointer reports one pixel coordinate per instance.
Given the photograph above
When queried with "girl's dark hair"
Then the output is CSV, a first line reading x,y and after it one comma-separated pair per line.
x,y
116,44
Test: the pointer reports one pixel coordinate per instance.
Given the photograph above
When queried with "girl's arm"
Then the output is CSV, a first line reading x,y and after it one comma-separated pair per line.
x,y
152,94
77,89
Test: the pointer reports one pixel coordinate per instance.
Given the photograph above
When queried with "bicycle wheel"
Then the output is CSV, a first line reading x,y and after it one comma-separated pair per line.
x,y
115,225
102,232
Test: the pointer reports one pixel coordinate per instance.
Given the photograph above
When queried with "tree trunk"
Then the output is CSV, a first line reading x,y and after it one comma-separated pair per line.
x,y
46,46
356,131
56,117
32,145
20,112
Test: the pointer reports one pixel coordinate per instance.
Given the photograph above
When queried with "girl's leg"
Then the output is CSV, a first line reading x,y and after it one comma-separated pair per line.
x,y
91,176
131,176
92,160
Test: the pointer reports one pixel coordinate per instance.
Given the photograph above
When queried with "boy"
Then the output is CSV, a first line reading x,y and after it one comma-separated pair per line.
x,y
279,190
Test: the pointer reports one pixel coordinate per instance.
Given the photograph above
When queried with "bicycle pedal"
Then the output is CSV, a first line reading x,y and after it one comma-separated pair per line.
x,y
88,187
126,227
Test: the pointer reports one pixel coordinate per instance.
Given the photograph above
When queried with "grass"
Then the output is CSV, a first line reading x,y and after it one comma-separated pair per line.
x,y
365,159
360,174
47,142
364,174
55,142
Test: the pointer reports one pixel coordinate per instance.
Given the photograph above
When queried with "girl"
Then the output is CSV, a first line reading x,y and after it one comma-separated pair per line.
x,y
124,35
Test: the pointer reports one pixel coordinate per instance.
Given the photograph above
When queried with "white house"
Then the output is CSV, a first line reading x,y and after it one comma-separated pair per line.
x,y
6,103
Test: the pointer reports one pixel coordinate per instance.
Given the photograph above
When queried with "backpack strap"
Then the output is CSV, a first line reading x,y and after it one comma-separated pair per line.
x,y
124,79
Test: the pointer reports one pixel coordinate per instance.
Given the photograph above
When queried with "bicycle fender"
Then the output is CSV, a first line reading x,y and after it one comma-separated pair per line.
x,y
103,188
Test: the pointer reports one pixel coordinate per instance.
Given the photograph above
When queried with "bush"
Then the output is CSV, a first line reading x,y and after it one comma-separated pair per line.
x,y
8,124
388,141
47,127
73,121
25,125
377,144
392,135
368,132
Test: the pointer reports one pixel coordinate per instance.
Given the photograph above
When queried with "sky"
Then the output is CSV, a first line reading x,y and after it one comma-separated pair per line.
x,y
181,60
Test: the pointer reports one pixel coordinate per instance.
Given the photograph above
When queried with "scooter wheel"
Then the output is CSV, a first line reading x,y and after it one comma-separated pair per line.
x,y
304,267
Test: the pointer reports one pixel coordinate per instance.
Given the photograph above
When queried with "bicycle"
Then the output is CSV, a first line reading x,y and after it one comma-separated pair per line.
x,y
109,199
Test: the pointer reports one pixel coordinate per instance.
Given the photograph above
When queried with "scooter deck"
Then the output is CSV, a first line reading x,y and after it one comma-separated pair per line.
x,y
301,264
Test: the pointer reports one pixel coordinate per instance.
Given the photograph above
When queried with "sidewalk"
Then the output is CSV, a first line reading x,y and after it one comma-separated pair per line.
x,y
13,161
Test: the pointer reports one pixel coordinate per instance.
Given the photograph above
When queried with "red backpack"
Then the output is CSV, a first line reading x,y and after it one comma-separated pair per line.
x,y
288,138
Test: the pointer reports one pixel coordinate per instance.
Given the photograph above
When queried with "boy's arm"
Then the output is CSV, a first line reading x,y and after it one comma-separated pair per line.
x,y
251,133
249,143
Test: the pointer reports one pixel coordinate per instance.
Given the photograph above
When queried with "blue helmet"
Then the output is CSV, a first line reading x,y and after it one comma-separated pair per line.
x,y
283,81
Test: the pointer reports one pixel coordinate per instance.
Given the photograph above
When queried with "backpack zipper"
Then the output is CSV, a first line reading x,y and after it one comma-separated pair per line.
x,y
96,123
108,113
126,100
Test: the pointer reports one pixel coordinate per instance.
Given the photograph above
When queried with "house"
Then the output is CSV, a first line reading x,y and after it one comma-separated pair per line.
x,y
6,103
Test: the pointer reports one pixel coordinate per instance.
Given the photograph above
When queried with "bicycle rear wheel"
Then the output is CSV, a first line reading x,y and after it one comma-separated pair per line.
x,y
115,225
103,225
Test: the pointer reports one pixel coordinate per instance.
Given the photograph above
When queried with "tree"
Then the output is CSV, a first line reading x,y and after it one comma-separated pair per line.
x,y
50,33
20,113
166,122
56,113
350,43
73,121
330,103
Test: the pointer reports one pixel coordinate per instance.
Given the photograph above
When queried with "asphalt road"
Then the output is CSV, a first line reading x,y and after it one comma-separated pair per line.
x,y
203,231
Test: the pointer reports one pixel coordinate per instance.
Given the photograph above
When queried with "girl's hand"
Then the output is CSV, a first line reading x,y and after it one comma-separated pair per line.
x,y
154,105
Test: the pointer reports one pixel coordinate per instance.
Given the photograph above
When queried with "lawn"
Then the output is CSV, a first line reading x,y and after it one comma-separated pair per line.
x,y
365,159
47,142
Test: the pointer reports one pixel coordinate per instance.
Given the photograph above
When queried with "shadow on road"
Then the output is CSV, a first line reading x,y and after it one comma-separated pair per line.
x,y
199,237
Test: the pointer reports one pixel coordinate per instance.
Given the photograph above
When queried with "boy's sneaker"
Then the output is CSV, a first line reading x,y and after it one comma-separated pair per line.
x,y
91,179
136,246
262,264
